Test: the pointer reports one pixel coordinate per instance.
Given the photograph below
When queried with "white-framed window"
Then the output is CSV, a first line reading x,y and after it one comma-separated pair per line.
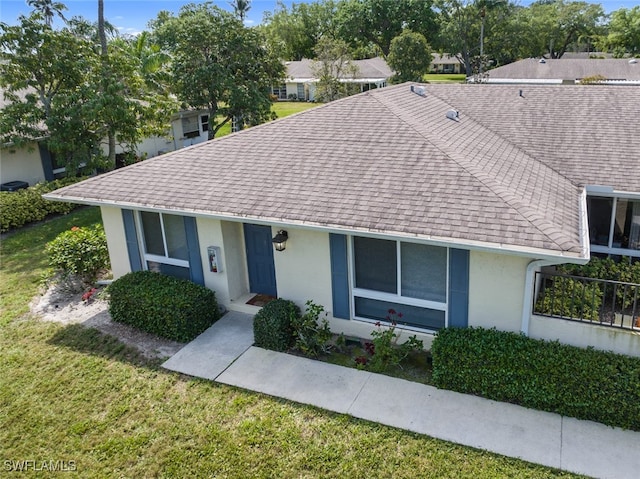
x,y
614,224
190,126
164,243
280,91
409,278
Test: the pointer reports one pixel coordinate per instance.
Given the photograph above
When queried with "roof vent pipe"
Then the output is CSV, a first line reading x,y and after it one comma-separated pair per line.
x,y
542,60
453,114
633,60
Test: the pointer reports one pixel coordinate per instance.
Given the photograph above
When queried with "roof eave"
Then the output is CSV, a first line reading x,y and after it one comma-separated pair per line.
x,y
499,248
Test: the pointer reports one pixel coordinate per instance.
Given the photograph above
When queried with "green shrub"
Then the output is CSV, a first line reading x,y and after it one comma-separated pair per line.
x,y
383,352
606,268
312,336
18,208
272,326
80,251
169,307
570,298
549,376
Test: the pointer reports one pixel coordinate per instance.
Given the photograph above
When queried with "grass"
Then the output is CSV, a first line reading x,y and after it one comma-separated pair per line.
x,y
23,263
445,77
281,108
69,393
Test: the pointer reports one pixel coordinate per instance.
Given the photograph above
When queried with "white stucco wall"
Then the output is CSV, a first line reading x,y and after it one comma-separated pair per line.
x,y
585,335
303,269
496,289
22,164
116,240
154,146
210,234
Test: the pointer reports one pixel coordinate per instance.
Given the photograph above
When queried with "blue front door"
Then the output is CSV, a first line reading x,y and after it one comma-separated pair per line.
x,y
262,272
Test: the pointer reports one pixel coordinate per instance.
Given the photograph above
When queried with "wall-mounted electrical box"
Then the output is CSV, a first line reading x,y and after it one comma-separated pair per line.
x,y
215,259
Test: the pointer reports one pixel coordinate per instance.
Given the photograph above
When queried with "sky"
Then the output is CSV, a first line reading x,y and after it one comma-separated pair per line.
x,y
132,16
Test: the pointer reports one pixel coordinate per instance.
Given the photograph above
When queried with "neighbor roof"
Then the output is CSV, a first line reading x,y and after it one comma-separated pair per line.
x,y
372,69
507,173
534,70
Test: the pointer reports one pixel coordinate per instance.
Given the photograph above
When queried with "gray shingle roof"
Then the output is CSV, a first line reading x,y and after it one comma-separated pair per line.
x,y
567,69
506,174
367,69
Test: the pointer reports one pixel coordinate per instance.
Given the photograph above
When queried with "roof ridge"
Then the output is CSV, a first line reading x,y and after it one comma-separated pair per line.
x,y
512,197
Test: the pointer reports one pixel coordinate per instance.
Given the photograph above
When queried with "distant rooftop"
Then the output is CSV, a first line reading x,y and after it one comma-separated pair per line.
x,y
534,70
375,69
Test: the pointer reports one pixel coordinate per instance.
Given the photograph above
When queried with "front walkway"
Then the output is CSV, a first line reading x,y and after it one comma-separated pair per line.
x,y
224,353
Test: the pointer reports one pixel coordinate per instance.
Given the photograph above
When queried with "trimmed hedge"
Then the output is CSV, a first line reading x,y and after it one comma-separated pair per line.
x,y
17,208
549,376
273,325
168,307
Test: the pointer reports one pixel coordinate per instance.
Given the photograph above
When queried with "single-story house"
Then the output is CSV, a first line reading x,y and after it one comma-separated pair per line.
x,y
439,201
611,71
34,163
445,63
300,81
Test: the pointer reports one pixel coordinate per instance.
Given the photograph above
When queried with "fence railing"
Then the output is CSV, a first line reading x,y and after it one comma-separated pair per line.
x,y
588,300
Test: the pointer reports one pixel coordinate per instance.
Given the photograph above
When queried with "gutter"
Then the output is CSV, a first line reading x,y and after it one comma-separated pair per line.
x,y
528,291
535,264
499,248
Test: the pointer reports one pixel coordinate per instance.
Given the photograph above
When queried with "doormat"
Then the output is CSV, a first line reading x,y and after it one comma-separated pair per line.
x,y
260,300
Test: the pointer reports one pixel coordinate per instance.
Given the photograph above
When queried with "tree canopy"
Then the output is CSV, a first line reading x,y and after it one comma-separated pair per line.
x,y
219,65
409,56
60,90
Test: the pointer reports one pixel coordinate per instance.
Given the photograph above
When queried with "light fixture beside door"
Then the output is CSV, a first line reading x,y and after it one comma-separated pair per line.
x,y
280,240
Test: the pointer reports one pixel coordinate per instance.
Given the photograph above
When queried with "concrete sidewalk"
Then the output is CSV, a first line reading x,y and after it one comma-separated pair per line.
x,y
544,438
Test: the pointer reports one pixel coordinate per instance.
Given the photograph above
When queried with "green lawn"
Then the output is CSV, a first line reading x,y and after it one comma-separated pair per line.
x,y
74,394
445,78
281,108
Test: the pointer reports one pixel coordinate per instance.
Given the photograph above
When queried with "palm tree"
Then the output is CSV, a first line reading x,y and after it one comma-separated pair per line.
x,y
241,8
48,8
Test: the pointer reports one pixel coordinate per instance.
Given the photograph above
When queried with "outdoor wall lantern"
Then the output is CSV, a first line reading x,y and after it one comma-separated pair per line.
x,y
280,240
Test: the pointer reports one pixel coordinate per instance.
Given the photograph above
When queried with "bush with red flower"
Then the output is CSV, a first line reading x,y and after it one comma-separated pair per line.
x,y
383,351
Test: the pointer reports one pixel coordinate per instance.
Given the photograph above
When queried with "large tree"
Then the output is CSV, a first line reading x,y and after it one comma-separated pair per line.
x,y
377,22
241,8
333,63
623,36
43,72
409,56
294,32
467,25
59,89
552,26
48,8
219,65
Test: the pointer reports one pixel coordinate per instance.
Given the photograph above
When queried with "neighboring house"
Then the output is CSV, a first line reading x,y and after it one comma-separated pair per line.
x,y
300,83
440,201
35,163
445,63
619,71
31,163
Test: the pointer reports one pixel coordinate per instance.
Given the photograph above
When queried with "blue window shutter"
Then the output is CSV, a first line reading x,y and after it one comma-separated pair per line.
x,y
458,288
339,276
193,245
47,162
135,262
